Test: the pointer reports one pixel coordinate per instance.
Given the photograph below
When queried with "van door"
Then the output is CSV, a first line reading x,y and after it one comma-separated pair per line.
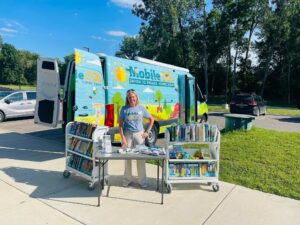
x,y
191,106
182,86
47,97
89,86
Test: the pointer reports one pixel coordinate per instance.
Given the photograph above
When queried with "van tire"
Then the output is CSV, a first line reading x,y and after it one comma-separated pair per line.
x,y
204,118
152,136
2,116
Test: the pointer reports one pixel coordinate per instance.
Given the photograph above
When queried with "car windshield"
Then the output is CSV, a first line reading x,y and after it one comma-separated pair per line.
x,y
243,98
3,94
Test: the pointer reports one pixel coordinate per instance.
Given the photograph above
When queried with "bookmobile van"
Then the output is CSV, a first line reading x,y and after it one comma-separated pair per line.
x,y
95,90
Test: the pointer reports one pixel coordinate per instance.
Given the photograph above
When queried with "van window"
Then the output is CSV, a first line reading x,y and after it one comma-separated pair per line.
x,y
31,95
48,65
16,97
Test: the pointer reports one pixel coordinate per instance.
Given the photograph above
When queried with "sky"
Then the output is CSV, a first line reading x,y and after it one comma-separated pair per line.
x,y
53,28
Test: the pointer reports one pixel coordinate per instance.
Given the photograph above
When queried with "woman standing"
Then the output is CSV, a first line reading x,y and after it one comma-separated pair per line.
x,y
132,133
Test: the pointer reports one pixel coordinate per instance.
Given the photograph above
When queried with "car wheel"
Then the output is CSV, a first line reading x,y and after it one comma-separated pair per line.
x,y
256,111
2,116
152,136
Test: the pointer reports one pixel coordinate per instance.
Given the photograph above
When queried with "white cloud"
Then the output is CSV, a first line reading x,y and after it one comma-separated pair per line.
x,y
8,30
148,90
11,27
95,62
116,33
102,39
126,3
118,87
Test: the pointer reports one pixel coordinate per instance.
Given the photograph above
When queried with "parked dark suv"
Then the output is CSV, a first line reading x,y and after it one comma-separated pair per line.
x,y
248,104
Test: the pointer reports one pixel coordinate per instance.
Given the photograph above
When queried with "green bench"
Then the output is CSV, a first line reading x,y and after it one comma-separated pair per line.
x,y
238,121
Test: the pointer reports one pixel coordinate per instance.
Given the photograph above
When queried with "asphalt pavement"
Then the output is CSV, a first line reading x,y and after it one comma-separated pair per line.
x,y
33,191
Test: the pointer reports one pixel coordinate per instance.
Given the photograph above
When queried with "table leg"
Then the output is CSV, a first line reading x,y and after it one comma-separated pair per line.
x,y
99,188
162,181
157,184
103,175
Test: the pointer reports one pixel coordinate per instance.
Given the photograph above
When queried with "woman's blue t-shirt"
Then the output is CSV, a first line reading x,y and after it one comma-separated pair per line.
x,y
133,118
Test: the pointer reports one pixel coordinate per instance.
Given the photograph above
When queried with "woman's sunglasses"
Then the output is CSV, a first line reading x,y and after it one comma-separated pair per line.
x,y
130,90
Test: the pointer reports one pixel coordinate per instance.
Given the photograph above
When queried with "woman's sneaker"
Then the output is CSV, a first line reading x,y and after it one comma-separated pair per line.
x,y
144,185
126,183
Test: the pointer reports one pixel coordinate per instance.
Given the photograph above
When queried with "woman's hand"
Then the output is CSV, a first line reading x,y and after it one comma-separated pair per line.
x,y
124,143
145,135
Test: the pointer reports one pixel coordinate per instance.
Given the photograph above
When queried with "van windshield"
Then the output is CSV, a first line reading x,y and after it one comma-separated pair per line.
x,y
3,94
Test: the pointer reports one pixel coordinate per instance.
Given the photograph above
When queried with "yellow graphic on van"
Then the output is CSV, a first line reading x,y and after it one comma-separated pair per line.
x,y
120,74
167,77
93,76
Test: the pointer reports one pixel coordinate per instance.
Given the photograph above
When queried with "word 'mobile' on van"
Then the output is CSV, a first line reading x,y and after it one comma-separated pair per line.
x,y
95,90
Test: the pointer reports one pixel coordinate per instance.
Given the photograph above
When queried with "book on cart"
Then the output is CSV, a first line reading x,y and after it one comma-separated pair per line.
x,y
83,142
193,154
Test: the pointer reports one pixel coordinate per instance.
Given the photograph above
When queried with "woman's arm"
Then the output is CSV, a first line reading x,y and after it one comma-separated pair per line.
x,y
145,134
121,131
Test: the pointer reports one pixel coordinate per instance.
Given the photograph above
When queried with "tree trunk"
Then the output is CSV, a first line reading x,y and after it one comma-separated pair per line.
x,y
267,69
289,82
251,30
228,63
183,45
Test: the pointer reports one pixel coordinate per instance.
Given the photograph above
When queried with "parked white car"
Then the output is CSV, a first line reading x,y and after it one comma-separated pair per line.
x,y
17,104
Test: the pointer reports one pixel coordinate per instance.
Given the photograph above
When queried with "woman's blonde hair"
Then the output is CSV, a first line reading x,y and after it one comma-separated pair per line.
x,y
136,95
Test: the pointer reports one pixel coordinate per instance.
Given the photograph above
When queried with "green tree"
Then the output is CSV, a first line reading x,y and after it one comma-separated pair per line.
x,y
118,101
163,31
10,66
130,46
28,63
63,67
158,97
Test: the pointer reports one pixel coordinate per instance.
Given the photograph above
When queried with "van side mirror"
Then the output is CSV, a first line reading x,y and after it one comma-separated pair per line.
x,y
8,101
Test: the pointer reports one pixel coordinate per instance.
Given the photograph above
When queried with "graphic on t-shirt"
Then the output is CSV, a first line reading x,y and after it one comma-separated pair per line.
x,y
132,116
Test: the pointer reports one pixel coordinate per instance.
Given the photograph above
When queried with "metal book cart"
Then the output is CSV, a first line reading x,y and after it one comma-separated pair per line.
x,y
181,165
83,141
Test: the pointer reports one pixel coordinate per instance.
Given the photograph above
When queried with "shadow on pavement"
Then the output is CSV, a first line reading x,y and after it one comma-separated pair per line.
x,y
51,185
19,147
53,134
219,114
19,118
290,120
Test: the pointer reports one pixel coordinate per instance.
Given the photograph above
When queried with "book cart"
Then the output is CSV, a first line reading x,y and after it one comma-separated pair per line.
x,y
199,164
83,140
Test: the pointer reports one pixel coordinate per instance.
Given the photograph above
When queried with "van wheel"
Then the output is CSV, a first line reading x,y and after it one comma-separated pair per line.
x,y
152,136
2,116
204,118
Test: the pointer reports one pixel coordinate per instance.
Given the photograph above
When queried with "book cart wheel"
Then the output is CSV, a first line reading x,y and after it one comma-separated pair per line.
x,y
91,186
169,188
66,174
106,181
216,187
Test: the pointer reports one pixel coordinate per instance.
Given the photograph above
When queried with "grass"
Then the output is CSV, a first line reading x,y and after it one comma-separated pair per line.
x,y
282,111
262,159
217,108
270,110
17,87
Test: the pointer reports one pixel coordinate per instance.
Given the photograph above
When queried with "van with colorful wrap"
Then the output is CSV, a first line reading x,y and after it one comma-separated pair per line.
x,y
95,90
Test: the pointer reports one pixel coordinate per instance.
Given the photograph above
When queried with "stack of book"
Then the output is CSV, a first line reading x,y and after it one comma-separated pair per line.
x,y
194,132
206,169
82,129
